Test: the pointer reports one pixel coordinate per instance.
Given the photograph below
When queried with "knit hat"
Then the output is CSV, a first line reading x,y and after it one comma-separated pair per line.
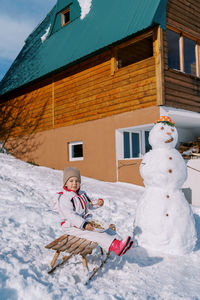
x,y
166,120
70,172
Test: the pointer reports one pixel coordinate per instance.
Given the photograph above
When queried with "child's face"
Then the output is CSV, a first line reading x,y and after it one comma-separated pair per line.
x,y
73,184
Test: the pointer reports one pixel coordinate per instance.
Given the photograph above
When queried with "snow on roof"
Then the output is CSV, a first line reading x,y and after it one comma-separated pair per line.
x,y
44,36
85,7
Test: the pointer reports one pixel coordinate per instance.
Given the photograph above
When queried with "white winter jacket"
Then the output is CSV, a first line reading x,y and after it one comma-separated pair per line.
x,y
72,207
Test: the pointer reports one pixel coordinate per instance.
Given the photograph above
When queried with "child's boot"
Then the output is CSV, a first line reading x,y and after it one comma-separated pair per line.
x,y
120,247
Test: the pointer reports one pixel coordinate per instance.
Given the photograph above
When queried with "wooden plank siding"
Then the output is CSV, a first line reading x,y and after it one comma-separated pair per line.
x,y
182,90
84,92
94,93
28,112
184,15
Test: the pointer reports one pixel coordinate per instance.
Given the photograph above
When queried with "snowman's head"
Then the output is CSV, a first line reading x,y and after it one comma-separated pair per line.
x,y
163,134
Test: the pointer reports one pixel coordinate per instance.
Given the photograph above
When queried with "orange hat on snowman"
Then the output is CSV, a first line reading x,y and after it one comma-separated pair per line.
x,y
166,120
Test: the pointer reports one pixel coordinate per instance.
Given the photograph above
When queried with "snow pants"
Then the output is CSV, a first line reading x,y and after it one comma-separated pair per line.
x,y
103,238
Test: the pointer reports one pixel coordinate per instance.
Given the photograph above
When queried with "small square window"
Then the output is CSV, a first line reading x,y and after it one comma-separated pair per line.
x,y
76,151
65,17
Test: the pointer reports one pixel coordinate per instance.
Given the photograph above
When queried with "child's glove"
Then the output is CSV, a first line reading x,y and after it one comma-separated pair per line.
x,y
97,202
88,226
100,202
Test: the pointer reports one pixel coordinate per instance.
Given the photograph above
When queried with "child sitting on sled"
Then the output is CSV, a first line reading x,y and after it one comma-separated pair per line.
x,y
73,204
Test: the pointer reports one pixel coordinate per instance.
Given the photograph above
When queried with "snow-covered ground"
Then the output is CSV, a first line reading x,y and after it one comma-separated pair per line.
x,y
27,224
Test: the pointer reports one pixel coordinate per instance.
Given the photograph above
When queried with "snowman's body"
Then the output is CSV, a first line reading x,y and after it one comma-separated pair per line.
x,y
163,215
163,167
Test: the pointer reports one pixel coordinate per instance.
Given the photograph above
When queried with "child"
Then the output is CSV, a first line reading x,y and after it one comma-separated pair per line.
x,y
73,204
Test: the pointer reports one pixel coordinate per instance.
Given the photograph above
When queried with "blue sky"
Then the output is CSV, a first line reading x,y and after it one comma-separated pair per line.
x,y
18,18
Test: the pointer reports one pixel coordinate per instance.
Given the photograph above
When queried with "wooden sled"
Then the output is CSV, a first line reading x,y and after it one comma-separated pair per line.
x,y
74,246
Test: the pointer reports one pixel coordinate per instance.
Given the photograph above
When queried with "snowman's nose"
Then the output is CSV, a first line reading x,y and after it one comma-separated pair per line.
x,y
169,133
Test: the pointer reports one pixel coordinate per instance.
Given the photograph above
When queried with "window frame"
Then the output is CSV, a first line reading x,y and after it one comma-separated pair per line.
x,y
70,145
142,144
63,17
181,50
131,144
197,53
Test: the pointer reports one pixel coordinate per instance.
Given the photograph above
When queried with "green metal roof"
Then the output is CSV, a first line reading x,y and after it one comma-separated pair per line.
x,y
108,22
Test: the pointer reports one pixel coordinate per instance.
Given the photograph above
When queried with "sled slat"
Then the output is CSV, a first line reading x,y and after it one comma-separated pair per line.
x,y
89,249
75,246
60,244
81,247
69,239
68,244
50,245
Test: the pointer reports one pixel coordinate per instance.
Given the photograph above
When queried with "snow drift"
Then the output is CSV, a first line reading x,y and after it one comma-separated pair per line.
x,y
27,224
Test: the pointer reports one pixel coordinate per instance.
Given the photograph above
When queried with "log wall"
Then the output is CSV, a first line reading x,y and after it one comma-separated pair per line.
x,y
94,93
84,92
28,112
182,90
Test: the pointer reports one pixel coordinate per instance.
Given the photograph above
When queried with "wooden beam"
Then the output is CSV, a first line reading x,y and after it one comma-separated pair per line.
x,y
159,64
135,39
185,33
188,32
53,103
197,54
84,261
55,258
181,53
113,62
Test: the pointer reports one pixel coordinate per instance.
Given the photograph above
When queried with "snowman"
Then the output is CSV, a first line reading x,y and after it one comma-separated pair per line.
x,y
164,218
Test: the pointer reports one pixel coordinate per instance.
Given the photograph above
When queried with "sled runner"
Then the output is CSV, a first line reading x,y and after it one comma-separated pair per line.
x,y
75,246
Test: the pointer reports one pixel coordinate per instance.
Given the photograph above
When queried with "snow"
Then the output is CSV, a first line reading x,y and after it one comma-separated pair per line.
x,y
164,217
44,36
157,169
27,224
85,7
156,216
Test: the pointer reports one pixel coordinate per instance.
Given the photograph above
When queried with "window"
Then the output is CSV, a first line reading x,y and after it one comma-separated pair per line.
x,y
135,52
65,17
76,151
189,56
126,144
135,143
183,53
173,50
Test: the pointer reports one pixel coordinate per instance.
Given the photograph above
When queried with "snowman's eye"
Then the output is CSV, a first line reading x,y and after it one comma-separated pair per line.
x,y
172,130
162,128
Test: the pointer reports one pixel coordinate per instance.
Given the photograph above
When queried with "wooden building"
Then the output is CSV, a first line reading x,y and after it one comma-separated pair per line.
x,y
84,92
